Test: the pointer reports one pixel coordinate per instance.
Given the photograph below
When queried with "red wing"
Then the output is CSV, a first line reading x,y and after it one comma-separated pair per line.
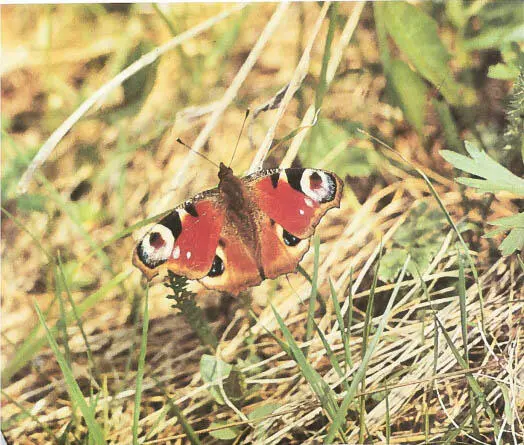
x,y
234,268
184,241
280,253
295,198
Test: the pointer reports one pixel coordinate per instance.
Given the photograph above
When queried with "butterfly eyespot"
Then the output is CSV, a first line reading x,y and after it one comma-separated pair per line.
x,y
289,239
217,268
155,247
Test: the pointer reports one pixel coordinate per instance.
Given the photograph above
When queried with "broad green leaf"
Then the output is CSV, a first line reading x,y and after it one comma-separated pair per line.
x,y
495,177
416,34
211,370
224,433
410,91
263,411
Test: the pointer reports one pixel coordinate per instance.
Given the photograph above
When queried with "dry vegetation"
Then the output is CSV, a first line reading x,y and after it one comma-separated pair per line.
x,y
119,164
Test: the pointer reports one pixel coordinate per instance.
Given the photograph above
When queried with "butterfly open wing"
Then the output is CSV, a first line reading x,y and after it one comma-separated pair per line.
x,y
198,241
291,203
248,229
184,241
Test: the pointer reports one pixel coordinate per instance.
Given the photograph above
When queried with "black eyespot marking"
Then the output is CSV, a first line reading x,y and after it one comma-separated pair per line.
x,y
289,239
173,223
217,268
294,175
156,240
145,258
190,208
315,177
221,243
274,179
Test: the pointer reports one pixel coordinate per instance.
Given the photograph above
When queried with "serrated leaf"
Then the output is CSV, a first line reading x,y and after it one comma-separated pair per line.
x,y
495,176
228,433
509,222
513,242
416,34
495,36
410,91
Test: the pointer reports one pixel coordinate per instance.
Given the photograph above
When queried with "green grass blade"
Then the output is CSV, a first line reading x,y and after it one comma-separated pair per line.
x,y
341,327
312,296
175,410
331,355
322,390
62,323
350,395
471,380
33,344
75,314
25,229
365,338
140,370
72,386
26,413
464,327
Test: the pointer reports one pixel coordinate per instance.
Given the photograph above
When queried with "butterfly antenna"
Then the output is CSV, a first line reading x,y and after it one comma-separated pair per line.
x,y
181,142
238,140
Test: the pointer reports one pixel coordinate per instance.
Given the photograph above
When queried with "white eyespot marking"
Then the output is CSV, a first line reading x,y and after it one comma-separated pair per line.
x,y
308,202
318,185
176,253
188,255
156,245
301,211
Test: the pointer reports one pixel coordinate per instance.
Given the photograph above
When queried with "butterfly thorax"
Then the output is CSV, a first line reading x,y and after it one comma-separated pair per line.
x,y
232,190
239,211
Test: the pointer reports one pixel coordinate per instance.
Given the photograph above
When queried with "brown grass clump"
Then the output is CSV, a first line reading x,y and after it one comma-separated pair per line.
x,y
118,163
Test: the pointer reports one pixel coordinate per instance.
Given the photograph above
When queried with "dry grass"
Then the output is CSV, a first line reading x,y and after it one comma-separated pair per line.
x,y
112,171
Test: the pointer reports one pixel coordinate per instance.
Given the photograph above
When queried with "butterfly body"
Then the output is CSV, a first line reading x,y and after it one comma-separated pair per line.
x,y
242,232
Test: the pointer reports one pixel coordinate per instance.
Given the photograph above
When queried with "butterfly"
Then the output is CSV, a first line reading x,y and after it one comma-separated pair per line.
x,y
242,232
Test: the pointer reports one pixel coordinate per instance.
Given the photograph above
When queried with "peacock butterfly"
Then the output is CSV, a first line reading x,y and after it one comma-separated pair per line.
x,y
244,231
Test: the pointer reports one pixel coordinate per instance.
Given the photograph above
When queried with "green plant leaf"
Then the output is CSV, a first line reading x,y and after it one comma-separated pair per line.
x,y
226,433
496,178
410,91
416,34
211,369
263,411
